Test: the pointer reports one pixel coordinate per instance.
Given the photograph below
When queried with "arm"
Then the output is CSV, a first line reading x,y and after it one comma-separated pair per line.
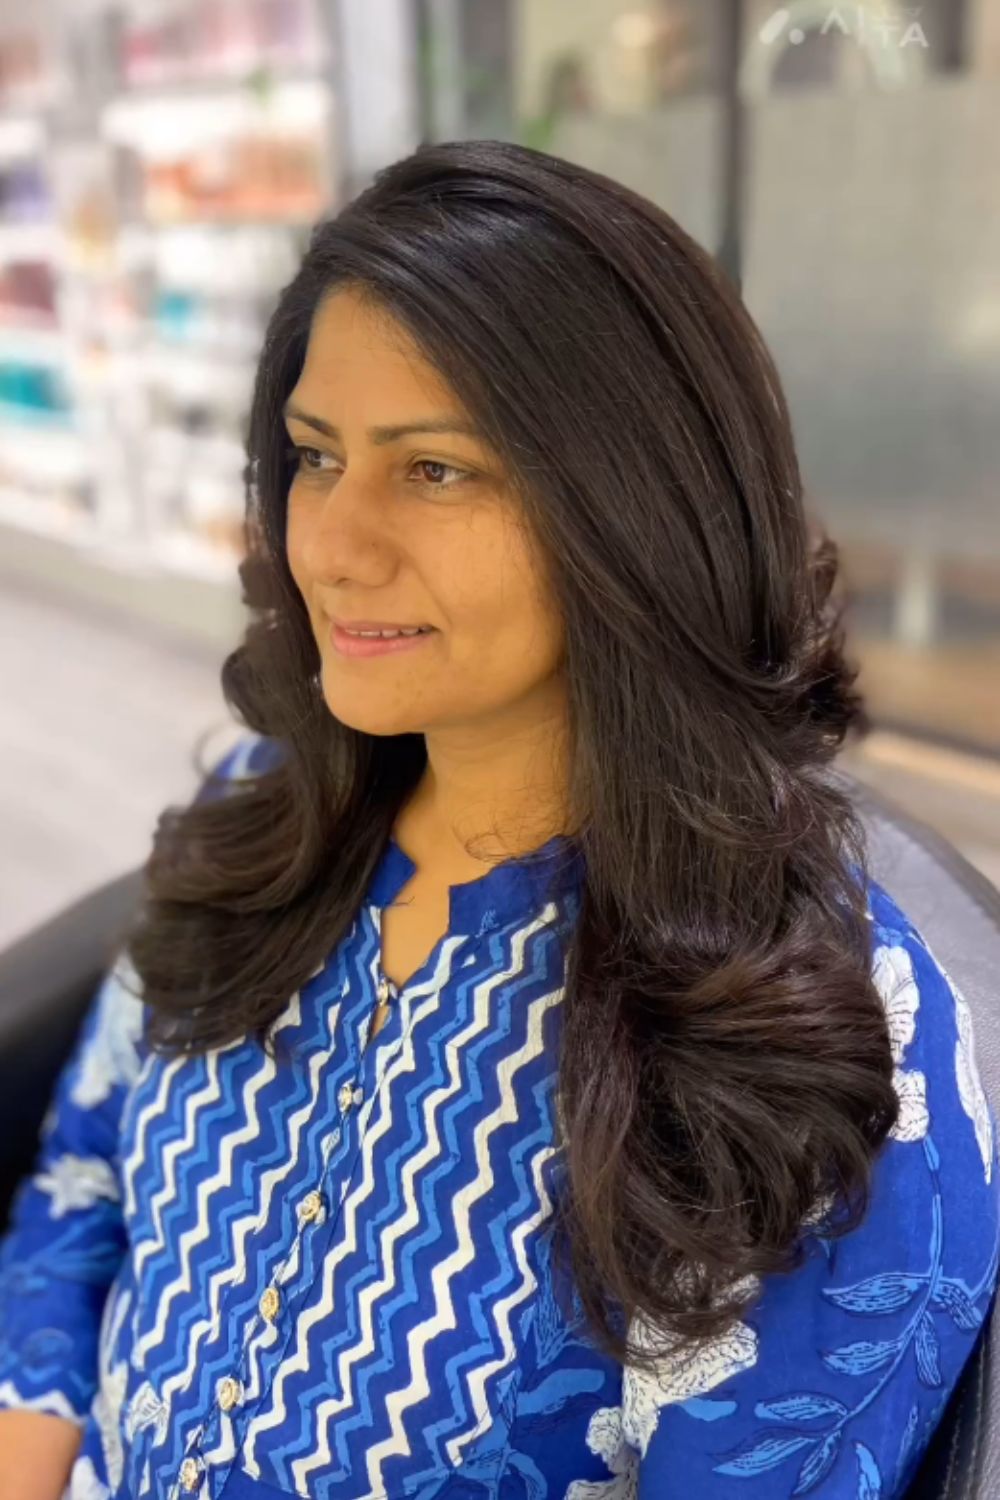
x,y
37,1455
66,1237
62,1249
835,1378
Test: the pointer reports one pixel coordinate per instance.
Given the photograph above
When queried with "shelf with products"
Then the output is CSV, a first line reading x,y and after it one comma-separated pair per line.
x,y
183,43
241,156
148,239
46,474
33,74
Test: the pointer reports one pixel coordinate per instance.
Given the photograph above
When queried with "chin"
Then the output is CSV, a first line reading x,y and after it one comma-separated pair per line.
x,y
368,718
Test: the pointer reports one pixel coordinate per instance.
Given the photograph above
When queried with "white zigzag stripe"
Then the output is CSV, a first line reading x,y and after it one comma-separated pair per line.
x,y
53,1402
167,1194
223,1179
137,1154
418,1338
504,1309
420,1335
252,1385
402,1059
376,1291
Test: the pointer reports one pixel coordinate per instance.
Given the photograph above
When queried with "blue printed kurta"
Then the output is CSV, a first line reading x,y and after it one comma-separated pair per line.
x,y
327,1275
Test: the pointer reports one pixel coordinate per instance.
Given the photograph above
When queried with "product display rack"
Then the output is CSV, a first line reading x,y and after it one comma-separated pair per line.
x,y
161,167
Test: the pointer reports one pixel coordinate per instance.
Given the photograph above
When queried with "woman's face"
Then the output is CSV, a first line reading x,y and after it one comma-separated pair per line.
x,y
414,528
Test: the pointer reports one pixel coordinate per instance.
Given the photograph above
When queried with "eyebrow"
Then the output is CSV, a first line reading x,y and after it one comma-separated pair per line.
x,y
386,434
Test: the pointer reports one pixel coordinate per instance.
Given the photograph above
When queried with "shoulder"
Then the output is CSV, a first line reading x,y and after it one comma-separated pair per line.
x,y
837,1374
932,1034
936,1183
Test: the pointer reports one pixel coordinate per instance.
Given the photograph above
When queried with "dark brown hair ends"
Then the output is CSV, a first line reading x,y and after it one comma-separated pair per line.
x,y
725,1063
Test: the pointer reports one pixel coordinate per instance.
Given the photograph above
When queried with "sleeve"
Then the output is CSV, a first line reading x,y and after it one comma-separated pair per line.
x,y
835,1378
251,754
66,1237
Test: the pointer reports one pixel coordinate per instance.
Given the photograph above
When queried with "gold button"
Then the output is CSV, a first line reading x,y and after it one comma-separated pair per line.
x,y
345,1096
229,1392
189,1474
269,1303
383,990
311,1206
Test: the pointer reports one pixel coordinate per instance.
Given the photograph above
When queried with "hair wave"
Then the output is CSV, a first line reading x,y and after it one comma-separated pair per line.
x,y
725,1074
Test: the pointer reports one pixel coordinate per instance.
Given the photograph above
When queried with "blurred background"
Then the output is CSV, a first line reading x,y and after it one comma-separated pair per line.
x,y
161,163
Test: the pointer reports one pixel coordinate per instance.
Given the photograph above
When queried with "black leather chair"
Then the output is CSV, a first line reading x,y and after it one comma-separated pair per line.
x,y
48,978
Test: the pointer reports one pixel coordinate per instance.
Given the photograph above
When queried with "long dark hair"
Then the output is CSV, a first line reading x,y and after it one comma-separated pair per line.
x,y
725,1073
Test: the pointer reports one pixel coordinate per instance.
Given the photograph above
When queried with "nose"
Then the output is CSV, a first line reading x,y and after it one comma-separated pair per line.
x,y
346,531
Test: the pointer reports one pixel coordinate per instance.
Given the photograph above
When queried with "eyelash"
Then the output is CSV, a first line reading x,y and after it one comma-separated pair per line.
x,y
296,450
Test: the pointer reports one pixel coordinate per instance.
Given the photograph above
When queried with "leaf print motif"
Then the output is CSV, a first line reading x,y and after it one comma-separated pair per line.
x,y
765,1451
819,1463
804,1407
927,1350
677,1377
954,1297
906,1443
704,1409
553,1394
892,973
606,1438
869,1475
146,1409
548,1325
911,1090
77,1182
113,1054
862,1357
970,1089
883,1293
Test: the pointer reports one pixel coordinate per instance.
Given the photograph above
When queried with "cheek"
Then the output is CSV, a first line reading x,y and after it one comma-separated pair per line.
x,y
293,544
504,618
296,543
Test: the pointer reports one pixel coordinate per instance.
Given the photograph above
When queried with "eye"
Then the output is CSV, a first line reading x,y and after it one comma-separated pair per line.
x,y
436,463
298,452
309,460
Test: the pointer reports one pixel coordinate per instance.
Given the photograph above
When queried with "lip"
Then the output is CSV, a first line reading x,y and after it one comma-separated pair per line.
x,y
375,624
353,645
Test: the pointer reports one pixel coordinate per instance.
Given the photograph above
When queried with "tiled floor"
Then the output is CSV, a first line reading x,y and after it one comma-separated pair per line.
x,y
99,729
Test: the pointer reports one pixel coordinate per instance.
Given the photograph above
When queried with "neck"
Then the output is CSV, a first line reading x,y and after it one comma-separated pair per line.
x,y
486,797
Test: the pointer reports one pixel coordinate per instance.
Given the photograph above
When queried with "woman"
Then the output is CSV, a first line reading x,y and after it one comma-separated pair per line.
x,y
514,1084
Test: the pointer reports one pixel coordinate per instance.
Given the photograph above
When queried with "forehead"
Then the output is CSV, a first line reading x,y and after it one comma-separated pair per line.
x,y
355,345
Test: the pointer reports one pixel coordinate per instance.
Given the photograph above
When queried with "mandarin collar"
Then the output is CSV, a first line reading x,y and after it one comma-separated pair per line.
x,y
517,887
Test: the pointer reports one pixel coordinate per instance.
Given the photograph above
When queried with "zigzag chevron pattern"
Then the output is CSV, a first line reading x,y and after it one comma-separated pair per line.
x,y
400,1310
329,1276
404,1304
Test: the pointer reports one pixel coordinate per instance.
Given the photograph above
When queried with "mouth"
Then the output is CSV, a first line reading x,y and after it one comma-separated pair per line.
x,y
350,643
